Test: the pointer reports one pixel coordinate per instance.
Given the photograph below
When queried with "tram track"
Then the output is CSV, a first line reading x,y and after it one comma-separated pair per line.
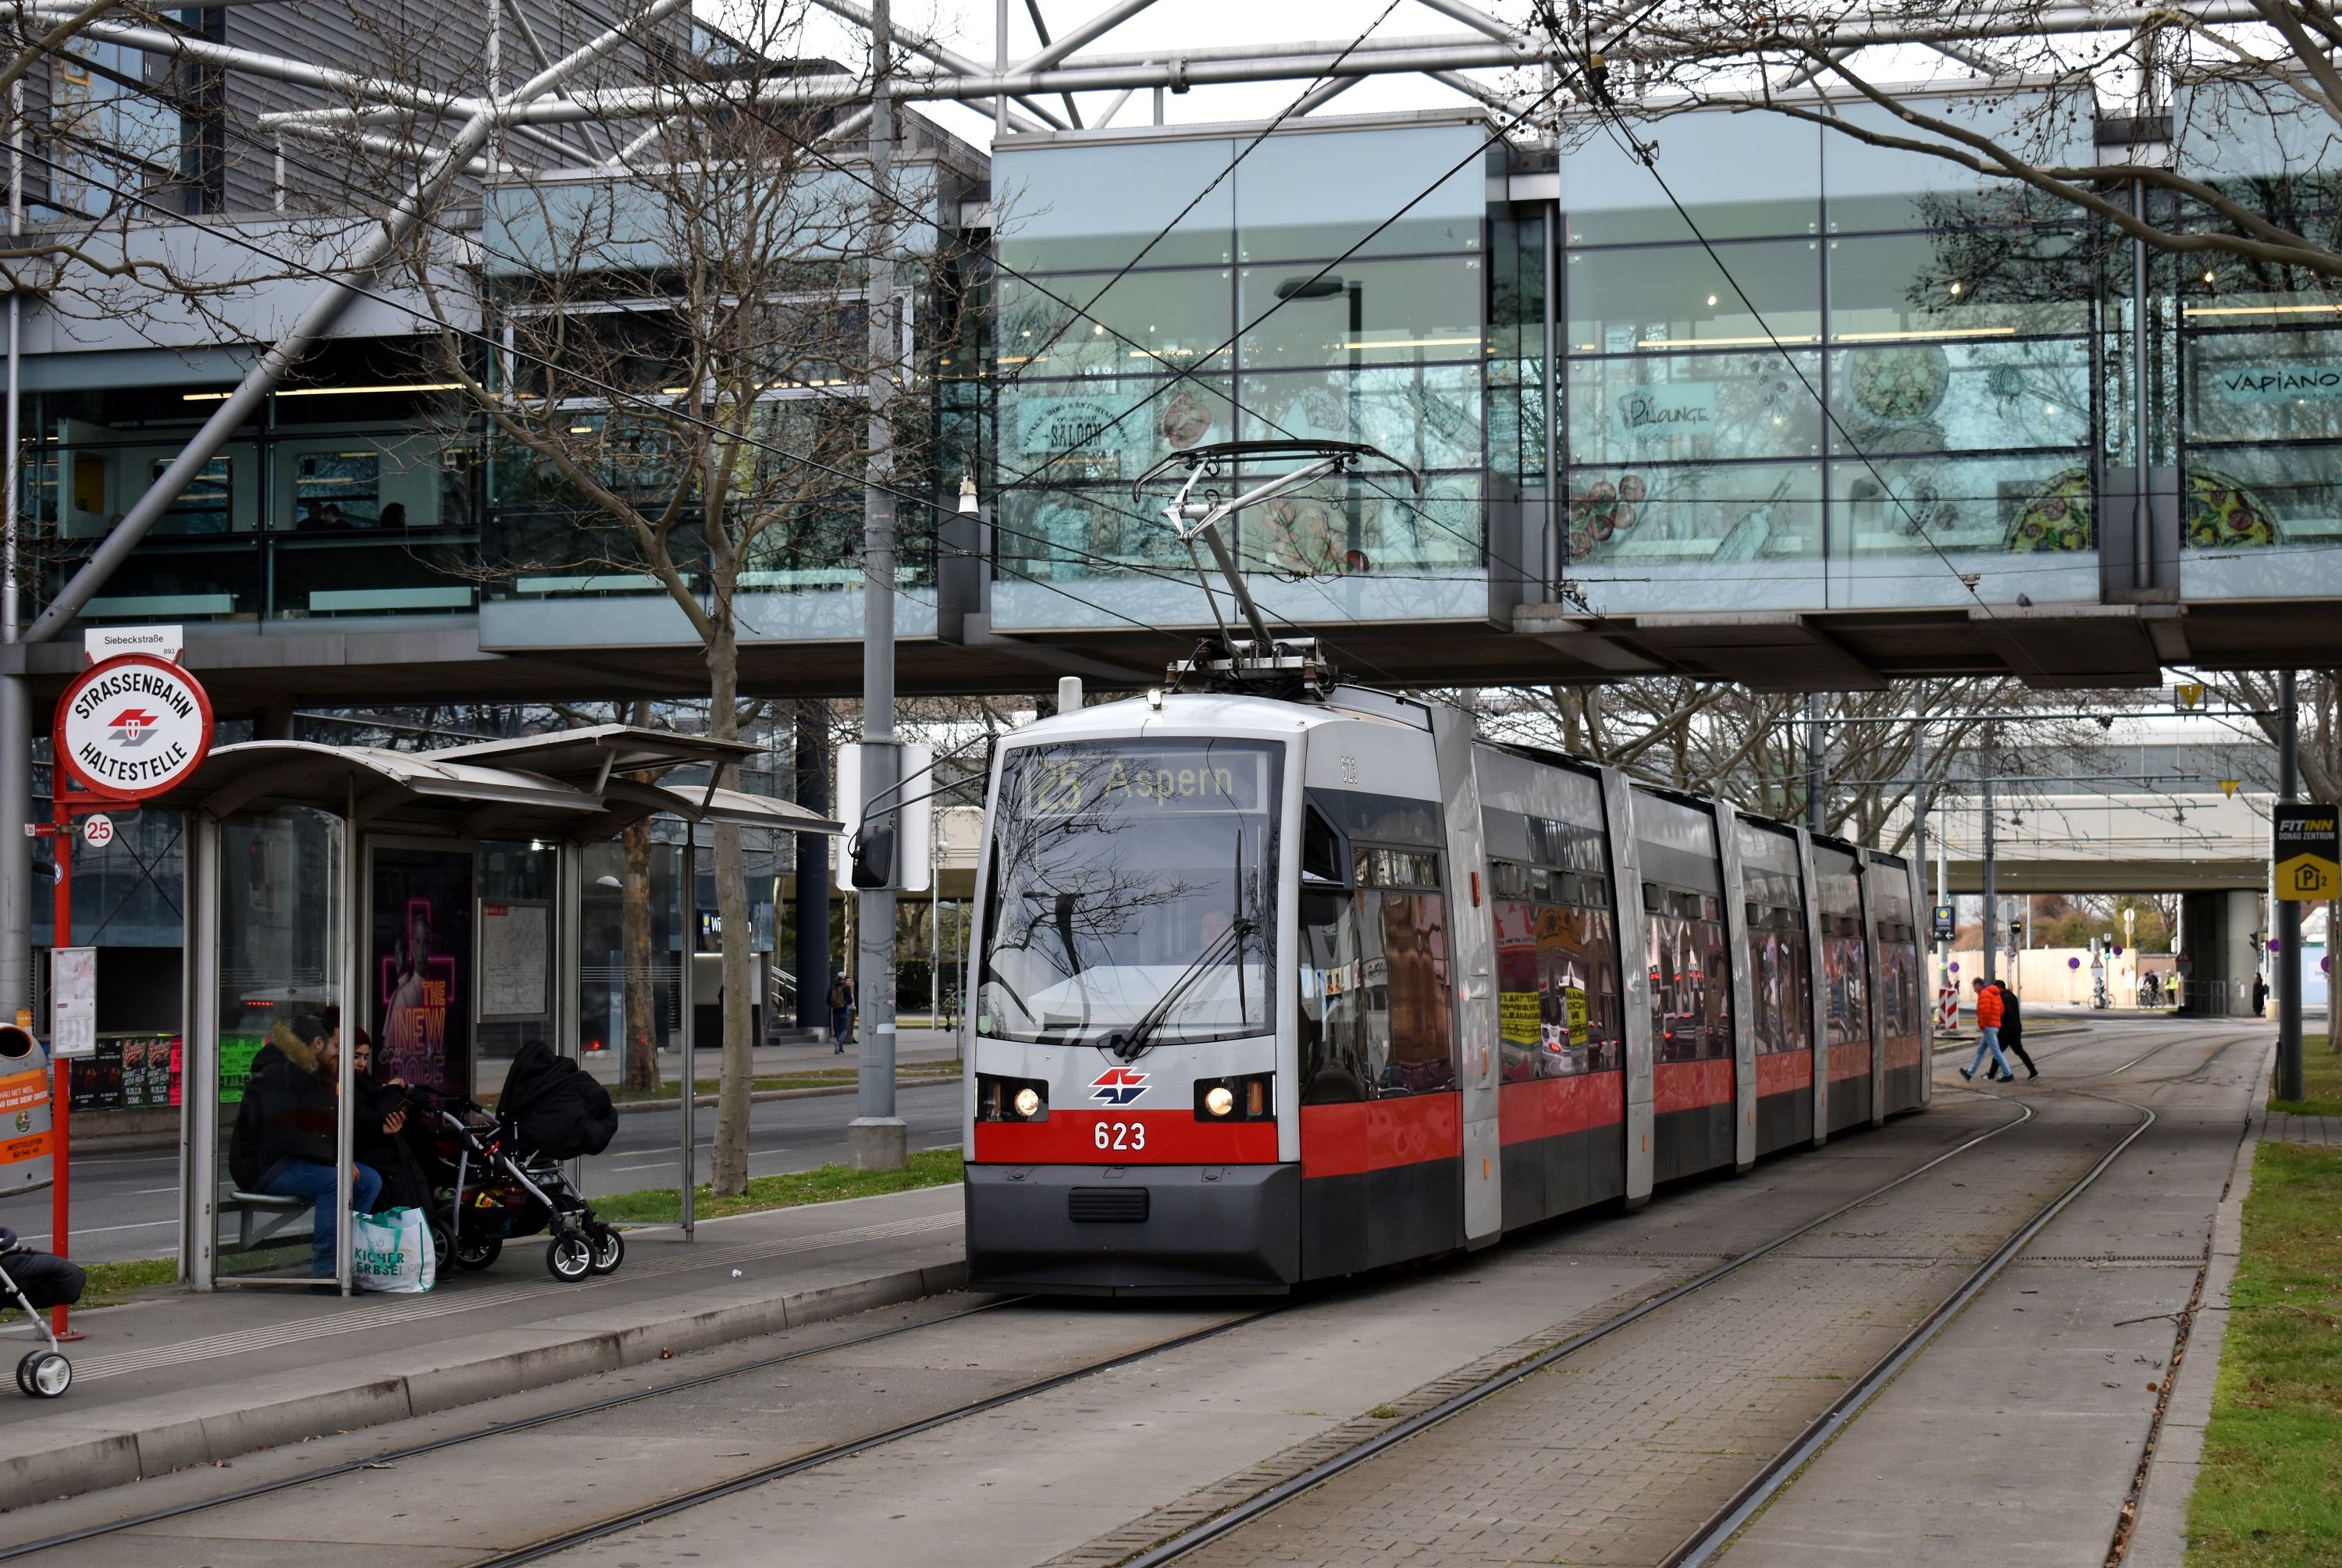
x,y
1705,1543
1172,1548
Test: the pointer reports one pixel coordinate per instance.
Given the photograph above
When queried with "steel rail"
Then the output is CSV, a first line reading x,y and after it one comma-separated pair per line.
x,y
1727,1522
830,1454
479,1435
1265,1501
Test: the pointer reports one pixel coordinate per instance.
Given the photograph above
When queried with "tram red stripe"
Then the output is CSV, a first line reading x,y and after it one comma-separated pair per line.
x,y
1550,1107
1381,1134
1687,1085
1905,1050
1851,1060
1171,1138
1781,1071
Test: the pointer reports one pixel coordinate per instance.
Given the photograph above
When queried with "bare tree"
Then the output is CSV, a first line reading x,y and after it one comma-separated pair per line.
x,y
2229,126
680,396
1749,746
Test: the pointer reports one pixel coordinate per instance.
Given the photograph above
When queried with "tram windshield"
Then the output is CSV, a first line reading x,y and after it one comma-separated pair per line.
x,y
1132,889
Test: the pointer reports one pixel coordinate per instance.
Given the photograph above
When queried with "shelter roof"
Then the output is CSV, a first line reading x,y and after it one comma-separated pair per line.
x,y
575,785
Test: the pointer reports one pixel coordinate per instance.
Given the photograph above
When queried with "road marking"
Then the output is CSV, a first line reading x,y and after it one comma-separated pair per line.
x,y
101,1230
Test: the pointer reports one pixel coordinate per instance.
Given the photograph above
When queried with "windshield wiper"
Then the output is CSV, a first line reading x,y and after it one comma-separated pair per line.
x,y
1135,1042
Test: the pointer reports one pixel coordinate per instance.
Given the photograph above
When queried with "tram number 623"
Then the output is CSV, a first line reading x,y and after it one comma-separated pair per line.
x,y
1119,1135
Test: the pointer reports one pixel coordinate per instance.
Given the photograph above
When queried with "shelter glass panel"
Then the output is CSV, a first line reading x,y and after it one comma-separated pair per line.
x,y
283,957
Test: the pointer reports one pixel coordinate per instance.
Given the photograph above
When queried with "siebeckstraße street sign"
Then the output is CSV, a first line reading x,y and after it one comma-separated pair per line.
x,y
2305,854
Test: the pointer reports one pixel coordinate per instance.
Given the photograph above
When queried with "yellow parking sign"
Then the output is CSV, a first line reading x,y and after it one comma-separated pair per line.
x,y
2306,853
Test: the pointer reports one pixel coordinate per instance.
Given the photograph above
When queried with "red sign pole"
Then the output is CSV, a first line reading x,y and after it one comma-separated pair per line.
x,y
61,1097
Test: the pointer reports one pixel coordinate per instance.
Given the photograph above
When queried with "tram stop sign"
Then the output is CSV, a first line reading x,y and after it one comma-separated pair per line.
x,y
2306,853
1945,926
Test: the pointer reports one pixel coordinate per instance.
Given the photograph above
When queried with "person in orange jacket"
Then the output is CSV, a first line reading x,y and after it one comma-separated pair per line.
x,y
1989,1014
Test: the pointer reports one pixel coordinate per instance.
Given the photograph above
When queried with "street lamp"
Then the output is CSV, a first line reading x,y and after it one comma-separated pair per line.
x,y
1329,286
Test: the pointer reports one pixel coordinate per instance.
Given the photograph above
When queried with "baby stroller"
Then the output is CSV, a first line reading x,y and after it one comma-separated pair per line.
x,y
498,1177
40,1280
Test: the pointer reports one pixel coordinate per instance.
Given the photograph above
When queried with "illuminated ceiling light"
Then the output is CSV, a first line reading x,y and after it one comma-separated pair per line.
x,y
2211,276
1027,332
1711,302
1098,329
1955,288
332,391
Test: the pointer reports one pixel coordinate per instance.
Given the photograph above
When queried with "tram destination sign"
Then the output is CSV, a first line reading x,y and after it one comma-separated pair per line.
x,y
2305,854
133,727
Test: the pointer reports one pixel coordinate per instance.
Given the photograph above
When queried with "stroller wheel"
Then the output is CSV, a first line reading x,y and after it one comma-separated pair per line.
x,y
479,1251
45,1374
570,1257
609,1248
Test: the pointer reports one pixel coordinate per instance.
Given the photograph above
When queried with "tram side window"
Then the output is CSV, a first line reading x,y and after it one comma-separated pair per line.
x,y
1691,996
1900,973
1781,978
1557,973
1846,968
1376,1019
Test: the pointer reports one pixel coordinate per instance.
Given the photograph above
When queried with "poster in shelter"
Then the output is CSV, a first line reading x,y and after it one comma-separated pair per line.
x,y
420,943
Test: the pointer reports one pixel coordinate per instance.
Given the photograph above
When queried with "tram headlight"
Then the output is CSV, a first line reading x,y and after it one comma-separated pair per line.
x,y
999,1099
1249,1098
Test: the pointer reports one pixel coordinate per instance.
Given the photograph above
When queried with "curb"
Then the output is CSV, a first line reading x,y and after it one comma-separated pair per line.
x,y
2159,1539
92,1459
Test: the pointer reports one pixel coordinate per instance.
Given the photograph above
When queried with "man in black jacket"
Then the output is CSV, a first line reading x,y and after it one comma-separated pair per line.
x,y
2012,1029
282,1143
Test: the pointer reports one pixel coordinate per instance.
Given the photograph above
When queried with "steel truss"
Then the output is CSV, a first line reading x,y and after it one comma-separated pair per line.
x,y
1065,67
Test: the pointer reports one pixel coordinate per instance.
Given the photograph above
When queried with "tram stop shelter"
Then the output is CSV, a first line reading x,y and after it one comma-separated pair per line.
x,y
433,898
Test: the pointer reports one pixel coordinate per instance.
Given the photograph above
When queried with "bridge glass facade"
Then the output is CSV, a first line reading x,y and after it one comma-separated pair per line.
x,y
1286,301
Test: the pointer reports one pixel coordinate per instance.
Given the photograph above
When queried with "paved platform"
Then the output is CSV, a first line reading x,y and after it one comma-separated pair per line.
x,y
176,1378
2015,1438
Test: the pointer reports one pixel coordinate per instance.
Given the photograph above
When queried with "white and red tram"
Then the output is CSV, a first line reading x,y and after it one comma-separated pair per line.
x,y
1274,990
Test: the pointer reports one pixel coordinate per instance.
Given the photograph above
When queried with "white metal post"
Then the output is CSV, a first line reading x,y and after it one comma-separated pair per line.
x,y
876,1138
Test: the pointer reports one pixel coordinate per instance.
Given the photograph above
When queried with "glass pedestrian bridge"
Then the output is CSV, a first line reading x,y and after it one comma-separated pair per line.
x,y
1846,415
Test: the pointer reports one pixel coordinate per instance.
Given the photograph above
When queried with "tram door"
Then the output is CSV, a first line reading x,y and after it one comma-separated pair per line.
x,y
1688,952
1845,971
1780,973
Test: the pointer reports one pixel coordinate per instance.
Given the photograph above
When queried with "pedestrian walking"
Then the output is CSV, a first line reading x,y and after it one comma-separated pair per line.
x,y
853,1006
841,1013
1989,1007
2012,1028
2260,994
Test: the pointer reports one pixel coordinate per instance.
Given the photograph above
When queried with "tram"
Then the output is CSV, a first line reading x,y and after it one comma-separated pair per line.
x,y
1286,979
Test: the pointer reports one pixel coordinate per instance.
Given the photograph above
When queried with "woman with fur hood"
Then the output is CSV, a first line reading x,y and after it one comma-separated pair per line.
x,y
282,1143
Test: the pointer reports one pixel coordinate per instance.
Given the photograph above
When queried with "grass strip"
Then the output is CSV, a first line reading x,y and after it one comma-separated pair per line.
x,y
929,1168
2321,1082
811,1078
2270,1490
109,1283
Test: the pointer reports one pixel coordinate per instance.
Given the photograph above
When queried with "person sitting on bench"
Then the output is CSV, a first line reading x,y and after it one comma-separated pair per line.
x,y
282,1143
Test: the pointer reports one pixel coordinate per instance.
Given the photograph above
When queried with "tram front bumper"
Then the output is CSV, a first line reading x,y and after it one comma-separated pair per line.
x,y
1133,1230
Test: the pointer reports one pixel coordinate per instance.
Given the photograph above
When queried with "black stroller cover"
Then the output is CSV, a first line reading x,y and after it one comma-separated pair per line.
x,y
47,1279
561,1111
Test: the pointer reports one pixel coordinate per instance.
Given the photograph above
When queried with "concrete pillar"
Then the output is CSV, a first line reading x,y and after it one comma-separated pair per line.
x,y
2241,919
2206,952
